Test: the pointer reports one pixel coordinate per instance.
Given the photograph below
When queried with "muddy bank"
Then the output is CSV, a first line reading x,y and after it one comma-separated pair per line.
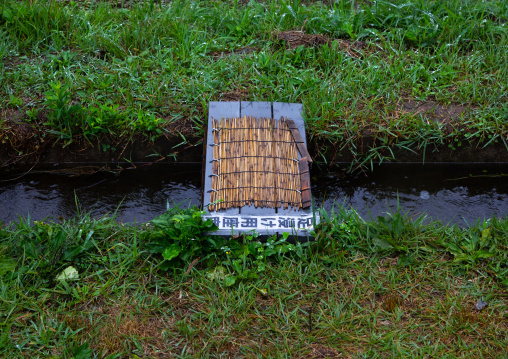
x,y
108,153
27,146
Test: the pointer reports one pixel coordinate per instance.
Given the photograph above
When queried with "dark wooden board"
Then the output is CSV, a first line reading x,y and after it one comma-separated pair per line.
x,y
305,183
299,141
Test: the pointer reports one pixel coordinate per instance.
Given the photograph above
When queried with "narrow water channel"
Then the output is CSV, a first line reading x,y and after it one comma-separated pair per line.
x,y
447,192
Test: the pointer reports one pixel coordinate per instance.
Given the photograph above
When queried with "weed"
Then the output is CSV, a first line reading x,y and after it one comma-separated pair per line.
x,y
32,114
15,101
64,116
182,236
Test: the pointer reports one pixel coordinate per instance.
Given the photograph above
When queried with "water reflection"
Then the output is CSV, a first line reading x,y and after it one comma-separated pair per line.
x,y
447,192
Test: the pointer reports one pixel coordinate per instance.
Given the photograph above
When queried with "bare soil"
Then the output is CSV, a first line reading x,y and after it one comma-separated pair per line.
x,y
435,111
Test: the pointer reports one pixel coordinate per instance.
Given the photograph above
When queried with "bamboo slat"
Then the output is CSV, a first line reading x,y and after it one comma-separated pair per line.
x,y
255,163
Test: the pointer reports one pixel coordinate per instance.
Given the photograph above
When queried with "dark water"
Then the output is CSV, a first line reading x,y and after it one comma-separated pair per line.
x,y
448,192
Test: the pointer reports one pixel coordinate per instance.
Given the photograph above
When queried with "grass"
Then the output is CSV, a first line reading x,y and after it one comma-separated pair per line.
x,y
394,286
407,76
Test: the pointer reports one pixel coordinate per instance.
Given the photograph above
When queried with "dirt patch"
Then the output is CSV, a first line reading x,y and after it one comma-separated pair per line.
x,y
235,95
434,111
185,127
19,141
387,263
12,61
118,325
356,49
26,145
322,351
10,115
294,39
391,301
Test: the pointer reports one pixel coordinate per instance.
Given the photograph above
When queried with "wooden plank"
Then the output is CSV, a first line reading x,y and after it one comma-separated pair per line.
x,y
305,183
258,110
217,110
298,139
292,111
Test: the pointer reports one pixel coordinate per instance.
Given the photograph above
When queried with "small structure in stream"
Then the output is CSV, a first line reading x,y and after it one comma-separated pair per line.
x,y
256,169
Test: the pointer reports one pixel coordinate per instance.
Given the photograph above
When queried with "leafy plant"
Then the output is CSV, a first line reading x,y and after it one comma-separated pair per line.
x,y
32,114
248,258
46,247
181,235
15,101
476,245
62,60
105,118
7,263
64,115
396,231
146,122
337,229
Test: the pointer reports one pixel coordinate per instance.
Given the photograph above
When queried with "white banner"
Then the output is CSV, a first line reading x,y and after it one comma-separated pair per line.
x,y
260,223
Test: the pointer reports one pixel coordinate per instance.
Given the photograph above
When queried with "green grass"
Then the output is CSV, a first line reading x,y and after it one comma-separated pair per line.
x,y
146,67
389,287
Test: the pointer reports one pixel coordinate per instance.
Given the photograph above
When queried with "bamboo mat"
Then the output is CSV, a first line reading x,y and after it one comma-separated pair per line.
x,y
255,162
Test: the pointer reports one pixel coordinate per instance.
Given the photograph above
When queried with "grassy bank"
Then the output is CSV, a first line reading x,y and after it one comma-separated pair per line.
x,y
389,287
417,76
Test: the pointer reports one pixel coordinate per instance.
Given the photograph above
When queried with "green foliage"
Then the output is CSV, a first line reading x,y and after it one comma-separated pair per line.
x,y
478,244
396,231
247,258
15,101
181,236
41,249
337,229
83,352
147,123
45,247
485,240
31,114
7,263
408,236
64,116
104,117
